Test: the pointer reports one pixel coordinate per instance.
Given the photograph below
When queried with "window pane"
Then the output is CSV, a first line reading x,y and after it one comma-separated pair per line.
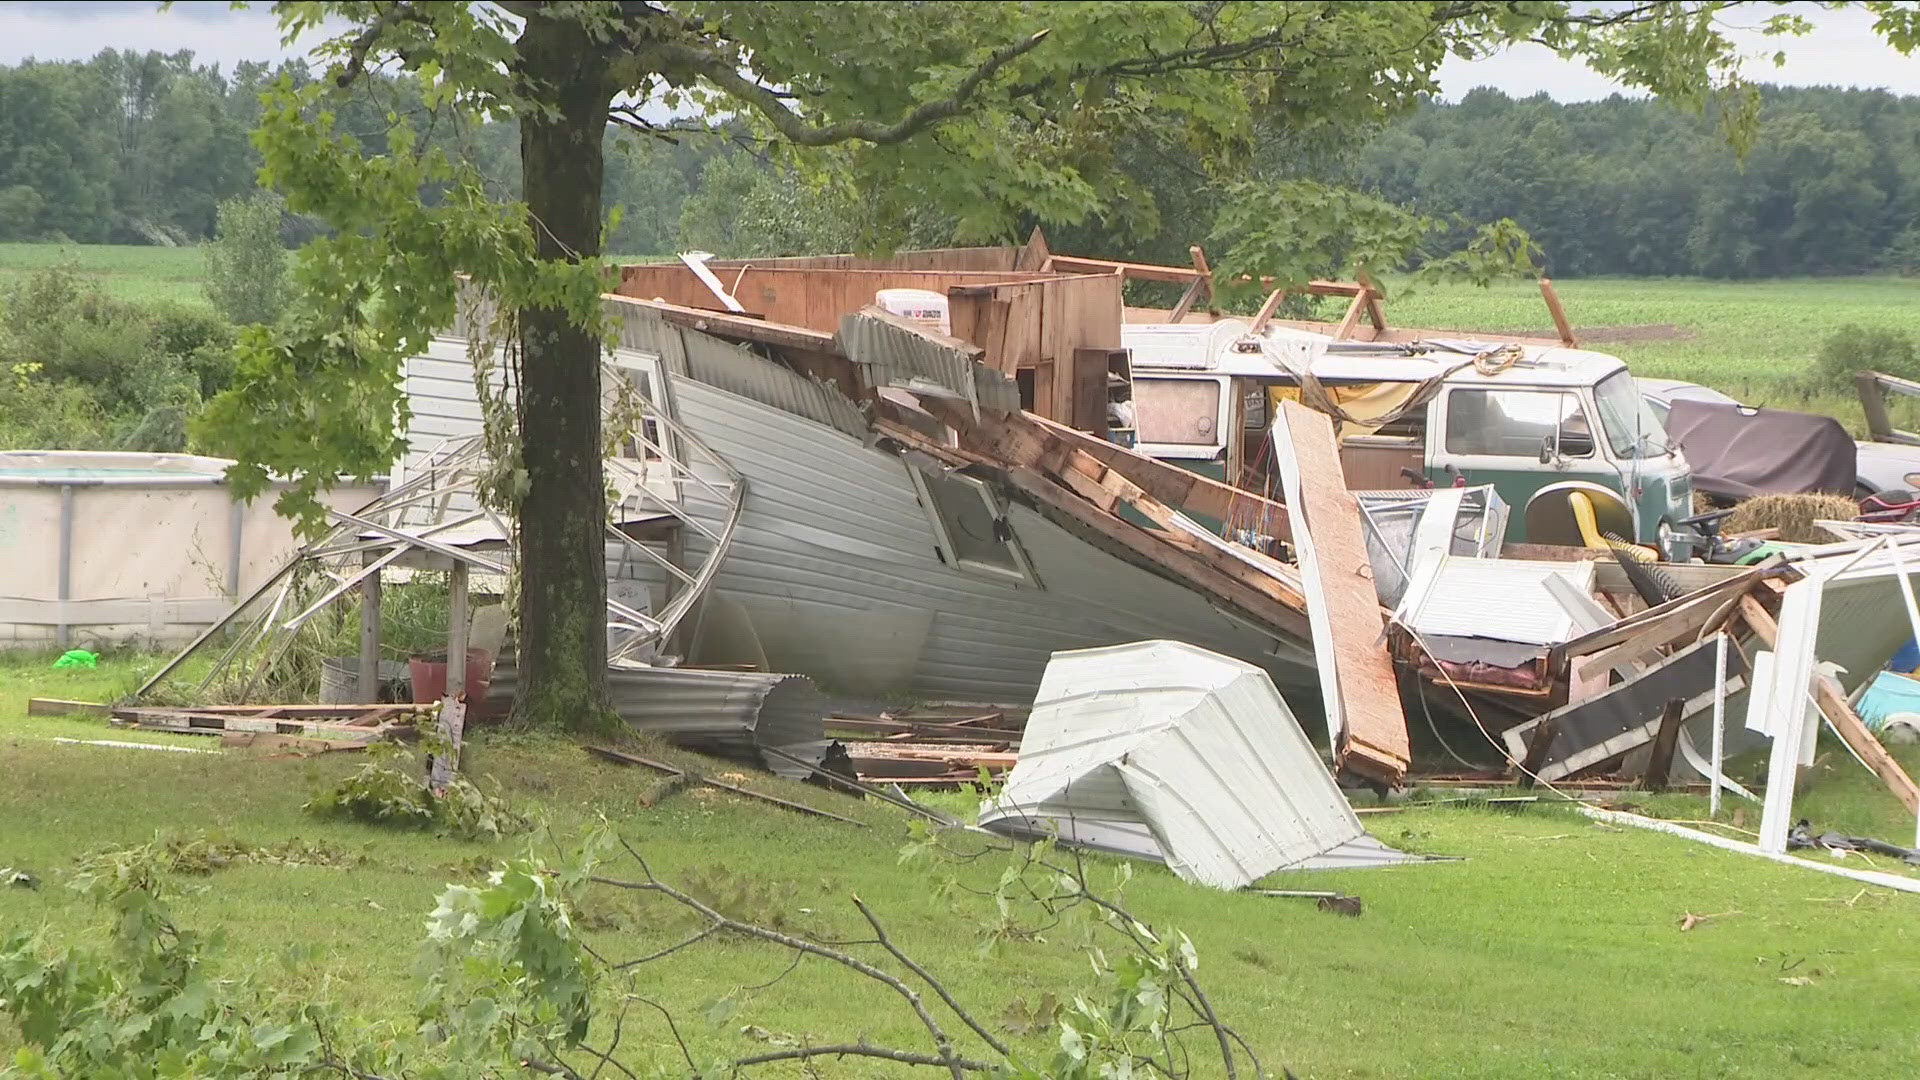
x,y
1180,411
1633,429
968,521
1516,423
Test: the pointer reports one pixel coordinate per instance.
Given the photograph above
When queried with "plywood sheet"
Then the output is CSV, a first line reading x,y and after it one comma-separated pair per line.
x,y
1343,603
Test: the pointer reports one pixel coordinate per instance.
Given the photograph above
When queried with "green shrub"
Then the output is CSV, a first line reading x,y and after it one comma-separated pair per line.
x,y
1860,348
247,260
389,790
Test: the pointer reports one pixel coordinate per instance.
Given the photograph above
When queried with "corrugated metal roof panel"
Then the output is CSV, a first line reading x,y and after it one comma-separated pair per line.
x,y
1195,752
735,369
730,714
898,354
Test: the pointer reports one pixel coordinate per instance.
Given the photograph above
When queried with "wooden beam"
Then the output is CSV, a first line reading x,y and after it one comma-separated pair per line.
x,y
742,327
1832,703
1025,439
1265,314
369,676
1665,740
1375,314
1033,255
1088,502
1373,727
1178,275
1668,622
1560,322
1200,264
1186,299
1352,317
1259,597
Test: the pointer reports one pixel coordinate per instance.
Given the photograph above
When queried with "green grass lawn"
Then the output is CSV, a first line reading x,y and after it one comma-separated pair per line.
x,y
129,271
1553,949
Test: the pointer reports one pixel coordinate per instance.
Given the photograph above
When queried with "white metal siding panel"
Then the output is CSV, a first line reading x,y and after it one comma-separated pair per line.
x,y
833,531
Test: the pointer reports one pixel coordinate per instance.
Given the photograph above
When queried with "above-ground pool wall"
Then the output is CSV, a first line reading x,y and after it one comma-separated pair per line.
x,y
135,559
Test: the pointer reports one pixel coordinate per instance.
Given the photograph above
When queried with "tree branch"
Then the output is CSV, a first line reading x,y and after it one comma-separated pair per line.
x,y
965,1017
942,1041
364,42
724,72
906,1057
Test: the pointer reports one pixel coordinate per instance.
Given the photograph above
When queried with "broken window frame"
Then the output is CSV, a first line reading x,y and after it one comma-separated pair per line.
x,y
1019,574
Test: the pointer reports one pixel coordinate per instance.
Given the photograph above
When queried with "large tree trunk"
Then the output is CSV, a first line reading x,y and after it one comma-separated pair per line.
x,y
563,576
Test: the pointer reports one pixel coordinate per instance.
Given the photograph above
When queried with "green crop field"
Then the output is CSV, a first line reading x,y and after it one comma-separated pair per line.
x,y
1754,340
127,271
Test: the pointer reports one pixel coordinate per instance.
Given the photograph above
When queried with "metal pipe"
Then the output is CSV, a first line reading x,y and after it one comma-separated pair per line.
x,y
61,633
236,529
1719,720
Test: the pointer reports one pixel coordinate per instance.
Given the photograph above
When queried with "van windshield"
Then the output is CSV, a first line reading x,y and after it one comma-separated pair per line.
x,y
1633,431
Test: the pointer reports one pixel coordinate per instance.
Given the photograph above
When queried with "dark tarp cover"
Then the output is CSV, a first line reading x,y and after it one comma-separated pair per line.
x,y
1737,452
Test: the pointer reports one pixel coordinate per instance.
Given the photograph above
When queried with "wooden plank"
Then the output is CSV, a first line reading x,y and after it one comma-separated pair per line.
x,y
192,724
347,712
1560,322
43,706
1259,597
1177,487
1352,318
1375,314
1373,738
1873,402
1186,299
1665,741
1669,621
1832,703
1090,366
1265,314
286,744
1033,255
743,327
1200,264
1177,275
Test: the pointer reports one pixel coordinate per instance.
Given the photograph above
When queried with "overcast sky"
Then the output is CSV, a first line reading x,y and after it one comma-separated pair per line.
x,y
1841,51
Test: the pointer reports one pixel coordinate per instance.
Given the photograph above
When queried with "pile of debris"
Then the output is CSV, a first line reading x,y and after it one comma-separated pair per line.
x,y
959,508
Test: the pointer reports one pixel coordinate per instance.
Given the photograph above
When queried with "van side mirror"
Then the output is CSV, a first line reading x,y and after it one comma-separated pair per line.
x,y
1547,452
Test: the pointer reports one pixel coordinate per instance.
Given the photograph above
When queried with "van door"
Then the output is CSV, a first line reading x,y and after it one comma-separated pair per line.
x,y
1519,439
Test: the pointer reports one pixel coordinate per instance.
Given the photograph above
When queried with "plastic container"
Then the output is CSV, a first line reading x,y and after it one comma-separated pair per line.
x,y
430,677
340,681
928,309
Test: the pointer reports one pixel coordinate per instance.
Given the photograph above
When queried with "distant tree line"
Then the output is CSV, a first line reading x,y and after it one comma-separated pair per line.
x,y
1830,186
144,148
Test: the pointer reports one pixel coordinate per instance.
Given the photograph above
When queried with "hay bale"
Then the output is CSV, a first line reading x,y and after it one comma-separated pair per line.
x,y
1793,515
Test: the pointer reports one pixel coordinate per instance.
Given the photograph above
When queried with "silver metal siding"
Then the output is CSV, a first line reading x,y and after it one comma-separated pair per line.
x,y
834,553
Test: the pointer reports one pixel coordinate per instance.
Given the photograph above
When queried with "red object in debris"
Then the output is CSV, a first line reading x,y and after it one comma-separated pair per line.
x,y
430,676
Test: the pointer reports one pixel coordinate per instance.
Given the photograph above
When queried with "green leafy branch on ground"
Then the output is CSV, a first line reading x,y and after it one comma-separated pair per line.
x,y
391,789
512,986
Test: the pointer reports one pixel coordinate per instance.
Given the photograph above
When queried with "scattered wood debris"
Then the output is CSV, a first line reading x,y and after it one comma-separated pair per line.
x,y
349,723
